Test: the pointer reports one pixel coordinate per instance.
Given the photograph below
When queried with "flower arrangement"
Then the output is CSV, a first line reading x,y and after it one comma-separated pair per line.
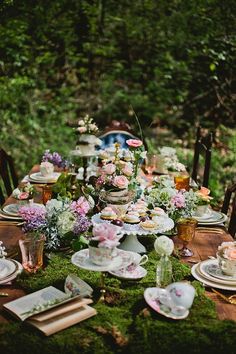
x,y
55,158
3,252
119,170
203,197
86,126
25,192
176,203
105,236
228,250
171,160
61,221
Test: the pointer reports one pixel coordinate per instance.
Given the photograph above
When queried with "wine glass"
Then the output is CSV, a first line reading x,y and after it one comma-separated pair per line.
x,y
151,163
186,231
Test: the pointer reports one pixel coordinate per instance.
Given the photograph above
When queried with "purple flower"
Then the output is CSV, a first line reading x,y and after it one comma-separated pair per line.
x,y
81,225
54,158
33,216
178,200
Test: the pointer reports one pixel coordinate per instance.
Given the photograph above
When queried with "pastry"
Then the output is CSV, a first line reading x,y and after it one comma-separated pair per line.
x,y
131,217
148,225
157,212
108,214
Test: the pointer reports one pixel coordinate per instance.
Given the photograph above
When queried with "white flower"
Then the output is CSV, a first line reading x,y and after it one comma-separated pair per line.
x,y
167,151
143,154
93,127
164,245
3,253
81,129
16,193
81,123
65,222
53,206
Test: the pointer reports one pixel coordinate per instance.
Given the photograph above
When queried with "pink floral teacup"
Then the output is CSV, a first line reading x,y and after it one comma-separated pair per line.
x,y
181,293
138,260
101,255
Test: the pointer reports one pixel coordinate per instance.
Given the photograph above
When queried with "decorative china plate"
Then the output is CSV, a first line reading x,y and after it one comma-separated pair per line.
x,y
211,267
165,224
213,219
10,217
37,177
208,282
137,274
12,276
7,267
151,295
11,209
81,259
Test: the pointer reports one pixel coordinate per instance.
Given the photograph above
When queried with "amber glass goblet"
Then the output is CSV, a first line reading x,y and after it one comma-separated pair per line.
x,y
186,232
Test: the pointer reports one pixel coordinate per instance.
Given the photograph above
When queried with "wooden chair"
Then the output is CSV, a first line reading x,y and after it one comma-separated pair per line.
x,y
226,206
203,146
9,179
117,132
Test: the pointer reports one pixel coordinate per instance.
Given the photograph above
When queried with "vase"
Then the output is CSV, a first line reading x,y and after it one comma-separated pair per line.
x,y
163,272
32,252
101,255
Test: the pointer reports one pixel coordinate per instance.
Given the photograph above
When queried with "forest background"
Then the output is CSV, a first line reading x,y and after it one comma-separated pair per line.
x,y
173,62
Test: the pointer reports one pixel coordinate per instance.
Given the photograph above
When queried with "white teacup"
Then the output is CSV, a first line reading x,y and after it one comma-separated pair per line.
x,y
228,266
46,169
138,260
181,293
202,210
102,256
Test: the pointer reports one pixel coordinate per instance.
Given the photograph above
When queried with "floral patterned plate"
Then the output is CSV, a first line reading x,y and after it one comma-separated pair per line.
x,y
13,275
211,267
137,274
37,177
151,295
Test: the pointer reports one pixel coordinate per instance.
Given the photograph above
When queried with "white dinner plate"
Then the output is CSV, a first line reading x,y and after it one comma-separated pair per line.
x,y
12,276
151,295
211,267
214,219
37,177
208,282
10,217
12,209
7,267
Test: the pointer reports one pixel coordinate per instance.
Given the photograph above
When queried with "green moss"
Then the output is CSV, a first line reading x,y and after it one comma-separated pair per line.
x,y
125,323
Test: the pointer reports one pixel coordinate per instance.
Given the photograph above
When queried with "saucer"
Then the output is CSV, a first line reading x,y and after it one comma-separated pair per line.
x,y
212,268
151,295
37,177
13,275
137,274
7,267
81,259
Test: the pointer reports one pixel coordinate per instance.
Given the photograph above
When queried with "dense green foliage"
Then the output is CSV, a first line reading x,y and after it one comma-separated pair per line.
x,y
124,324
173,61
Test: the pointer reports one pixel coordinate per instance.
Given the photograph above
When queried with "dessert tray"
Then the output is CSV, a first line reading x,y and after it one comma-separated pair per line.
x,y
152,297
164,224
9,269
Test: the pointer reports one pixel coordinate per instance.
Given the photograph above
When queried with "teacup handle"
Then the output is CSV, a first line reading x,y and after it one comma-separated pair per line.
x,y
143,259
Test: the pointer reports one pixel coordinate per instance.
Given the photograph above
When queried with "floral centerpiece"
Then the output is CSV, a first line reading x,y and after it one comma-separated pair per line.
x,y
55,158
62,222
105,238
202,201
86,136
177,204
24,192
120,170
171,161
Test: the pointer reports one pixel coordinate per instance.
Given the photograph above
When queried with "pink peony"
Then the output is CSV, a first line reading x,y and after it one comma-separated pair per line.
x,y
106,234
134,143
120,182
178,200
81,129
230,253
81,206
23,195
109,169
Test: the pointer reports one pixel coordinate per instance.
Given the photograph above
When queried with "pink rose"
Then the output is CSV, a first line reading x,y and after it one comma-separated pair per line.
x,y
134,143
81,129
109,169
127,169
120,182
106,234
178,200
81,206
23,195
230,253
204,191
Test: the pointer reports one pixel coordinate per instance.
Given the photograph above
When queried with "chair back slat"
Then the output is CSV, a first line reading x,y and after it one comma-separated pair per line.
x,y
225,208
7,173
202,147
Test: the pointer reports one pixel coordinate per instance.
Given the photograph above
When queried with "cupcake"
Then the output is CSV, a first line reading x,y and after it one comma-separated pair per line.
x,y
108,214
157,212
131,217
148,225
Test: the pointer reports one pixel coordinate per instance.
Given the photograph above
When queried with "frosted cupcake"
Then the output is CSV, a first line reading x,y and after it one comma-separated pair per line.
x,y
148,225
108,214
157,212
131,217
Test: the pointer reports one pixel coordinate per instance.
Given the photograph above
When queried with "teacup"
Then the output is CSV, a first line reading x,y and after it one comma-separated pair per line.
x,y
138,260
228,266
102,256
46,169
181,293
201,210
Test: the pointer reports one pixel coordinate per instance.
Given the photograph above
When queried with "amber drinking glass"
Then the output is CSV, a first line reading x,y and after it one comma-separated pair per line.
x,y
47,193
182,181
186,232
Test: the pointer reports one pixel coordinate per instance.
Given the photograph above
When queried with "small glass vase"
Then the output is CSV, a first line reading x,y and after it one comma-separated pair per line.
x,y
163,272
32,252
